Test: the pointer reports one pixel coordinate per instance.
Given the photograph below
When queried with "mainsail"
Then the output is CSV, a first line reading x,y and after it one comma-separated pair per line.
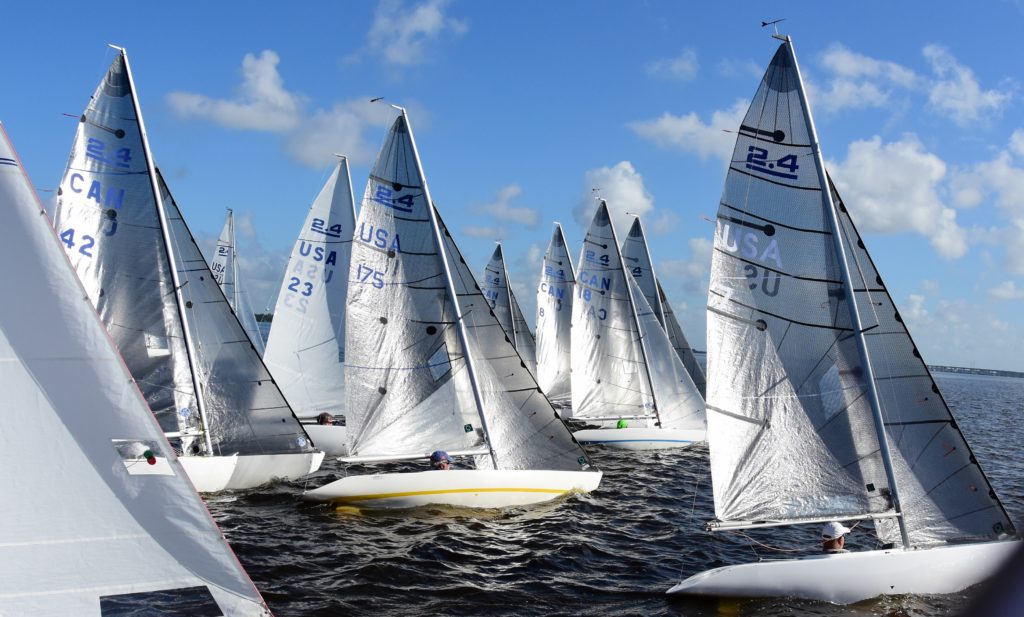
x,y
138,534
418,377
637,258
306,346
497,289
820,404
554,321
155,293
226,272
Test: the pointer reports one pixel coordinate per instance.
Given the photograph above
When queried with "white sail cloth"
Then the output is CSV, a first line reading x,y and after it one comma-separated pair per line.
x,y
225,270
554,321
124,234
306,346
408,384
79,431
497,289
791,427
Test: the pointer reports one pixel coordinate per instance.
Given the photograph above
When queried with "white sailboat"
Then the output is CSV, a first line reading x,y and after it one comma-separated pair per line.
x,y
820,406
428,367
81,434
306,346
497,290
637,257
624,369
163,308
226,272
554,321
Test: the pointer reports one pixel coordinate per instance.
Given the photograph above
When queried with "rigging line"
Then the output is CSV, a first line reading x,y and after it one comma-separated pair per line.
x,y
749,538
844,411
777,271
764,312
823,232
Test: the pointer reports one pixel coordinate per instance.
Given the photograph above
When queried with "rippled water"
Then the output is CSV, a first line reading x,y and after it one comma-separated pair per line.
x,y
613,552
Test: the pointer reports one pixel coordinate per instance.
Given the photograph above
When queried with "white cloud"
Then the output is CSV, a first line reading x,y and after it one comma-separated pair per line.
x,y
728,67
503,211
848,64
690,134
1017,142
915,307
262,103
493,233
858,81
622,187
243,224
694,272
956,94
682,68
964,333
894,188
1007,290
401,35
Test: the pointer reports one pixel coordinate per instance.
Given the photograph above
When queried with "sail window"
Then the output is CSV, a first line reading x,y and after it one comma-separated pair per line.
x,y
440,364
141,457
156,346
191,601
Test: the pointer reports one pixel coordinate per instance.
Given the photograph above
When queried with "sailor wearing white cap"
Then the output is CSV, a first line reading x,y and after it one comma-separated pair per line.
x,y
833,537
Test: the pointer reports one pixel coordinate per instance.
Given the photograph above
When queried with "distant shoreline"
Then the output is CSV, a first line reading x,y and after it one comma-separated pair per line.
x,y
975,371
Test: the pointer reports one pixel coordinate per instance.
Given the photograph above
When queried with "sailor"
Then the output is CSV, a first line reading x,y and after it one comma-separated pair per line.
x,y
622,423
833,537
325,419
439,460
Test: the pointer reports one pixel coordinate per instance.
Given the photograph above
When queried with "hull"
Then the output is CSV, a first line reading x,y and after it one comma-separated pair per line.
x,y
329,439
846,578
640,438
472,488
210,474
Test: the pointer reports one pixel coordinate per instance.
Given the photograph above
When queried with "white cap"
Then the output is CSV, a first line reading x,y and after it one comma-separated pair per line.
x,y
833,531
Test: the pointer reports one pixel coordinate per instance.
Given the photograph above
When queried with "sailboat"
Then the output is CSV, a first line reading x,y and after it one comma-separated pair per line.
x,y
306,346
428,366
163,308
226,272
637,257
497,289
820,405
137,534
624,369
554,321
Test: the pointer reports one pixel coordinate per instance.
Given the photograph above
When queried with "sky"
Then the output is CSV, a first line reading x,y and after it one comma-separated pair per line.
x,y
522,109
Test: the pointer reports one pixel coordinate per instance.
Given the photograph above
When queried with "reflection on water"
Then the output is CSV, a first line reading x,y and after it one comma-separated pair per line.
x,y
613,552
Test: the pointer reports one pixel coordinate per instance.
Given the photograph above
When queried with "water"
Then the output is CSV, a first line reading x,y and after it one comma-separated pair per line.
x,y
613,552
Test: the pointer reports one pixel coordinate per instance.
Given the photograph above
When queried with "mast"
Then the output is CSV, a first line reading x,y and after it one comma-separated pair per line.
x,y
168,247
627,277
235,305
659,310
352,198
508,291
851,300
450,283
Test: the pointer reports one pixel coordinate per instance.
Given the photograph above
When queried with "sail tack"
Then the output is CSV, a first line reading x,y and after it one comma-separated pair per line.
x,y
138,530
225,270
306,346
554,321
791,423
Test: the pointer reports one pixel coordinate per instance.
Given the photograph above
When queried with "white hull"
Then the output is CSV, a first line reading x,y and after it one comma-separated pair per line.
x,y
640,438
331,439
845,578
472,488
210,474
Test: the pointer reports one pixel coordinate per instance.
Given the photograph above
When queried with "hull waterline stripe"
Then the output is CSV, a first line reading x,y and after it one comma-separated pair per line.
x,y
555,491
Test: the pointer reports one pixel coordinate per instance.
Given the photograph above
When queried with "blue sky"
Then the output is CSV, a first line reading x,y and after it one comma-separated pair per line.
x,y
522,108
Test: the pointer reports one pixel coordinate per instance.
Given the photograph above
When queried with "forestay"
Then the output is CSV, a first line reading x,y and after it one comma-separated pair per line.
x,y
225,270
554,321
790,421
408,381
609,378
497,289
306,346
80,433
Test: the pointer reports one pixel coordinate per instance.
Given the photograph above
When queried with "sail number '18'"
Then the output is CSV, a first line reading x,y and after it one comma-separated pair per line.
x,y
757,160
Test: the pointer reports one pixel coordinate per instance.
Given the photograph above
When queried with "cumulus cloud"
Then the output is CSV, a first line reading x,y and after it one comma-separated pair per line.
x,y
894,188
1017,143
262,103
502,210
963,333
727,67
622,187
1007,290
690,134
479,231
859,81
402,35
681,68
694,272
956,93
